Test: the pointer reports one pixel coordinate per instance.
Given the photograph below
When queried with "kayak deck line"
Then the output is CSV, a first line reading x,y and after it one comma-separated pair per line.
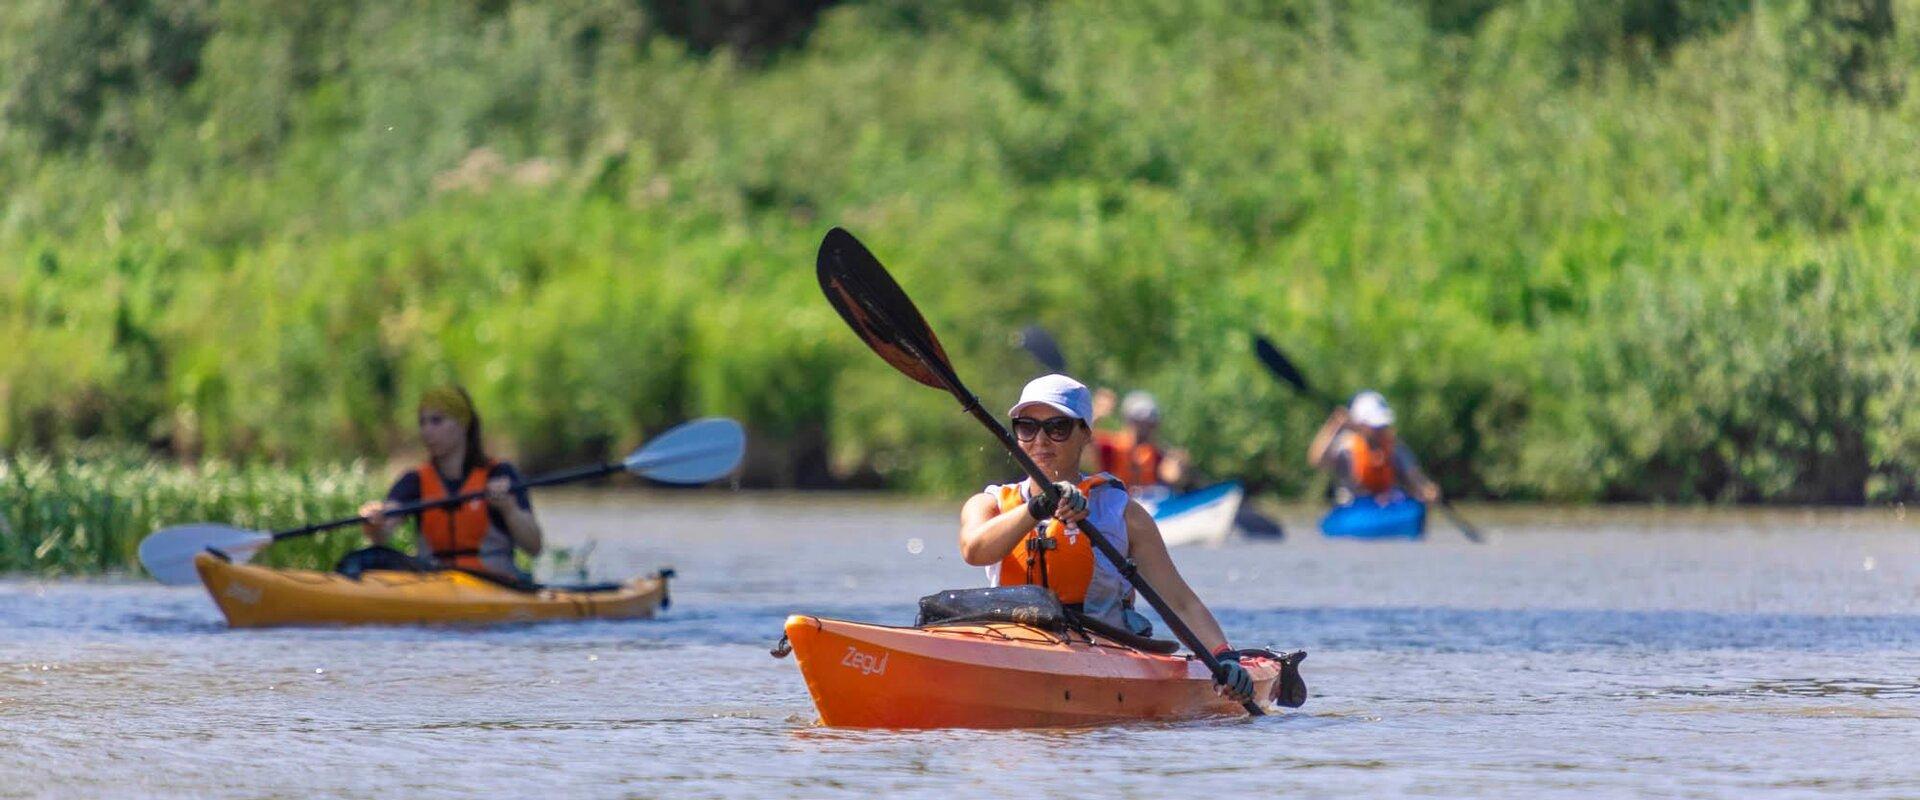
x,y
1005,632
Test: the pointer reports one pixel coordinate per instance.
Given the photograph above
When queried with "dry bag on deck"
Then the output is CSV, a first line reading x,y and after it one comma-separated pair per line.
x,y
1025,604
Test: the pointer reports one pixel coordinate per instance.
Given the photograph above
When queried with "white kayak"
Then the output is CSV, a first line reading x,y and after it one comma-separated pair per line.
x,y
1202,516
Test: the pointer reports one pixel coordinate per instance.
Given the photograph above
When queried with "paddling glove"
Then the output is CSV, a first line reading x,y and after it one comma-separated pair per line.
x,y
1038,506
1234,679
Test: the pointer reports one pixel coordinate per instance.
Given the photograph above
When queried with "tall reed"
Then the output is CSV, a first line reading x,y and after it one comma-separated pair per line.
x,y
88,515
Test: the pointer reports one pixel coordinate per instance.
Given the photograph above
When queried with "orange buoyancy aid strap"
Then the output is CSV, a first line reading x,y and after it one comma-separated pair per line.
x,y
1372,467
455,533
1068,564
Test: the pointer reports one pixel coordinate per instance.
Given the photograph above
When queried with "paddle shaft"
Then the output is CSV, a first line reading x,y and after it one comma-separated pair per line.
x,y
1454,516
550,479
910,341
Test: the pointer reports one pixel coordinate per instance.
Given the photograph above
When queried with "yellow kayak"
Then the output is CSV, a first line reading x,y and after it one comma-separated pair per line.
x,y
255,597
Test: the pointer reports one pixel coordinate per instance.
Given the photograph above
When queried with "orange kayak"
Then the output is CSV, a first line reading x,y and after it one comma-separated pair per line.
x,y
999,675
253,597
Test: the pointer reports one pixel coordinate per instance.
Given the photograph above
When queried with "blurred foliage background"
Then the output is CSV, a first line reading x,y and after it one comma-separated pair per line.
x,y
1608,250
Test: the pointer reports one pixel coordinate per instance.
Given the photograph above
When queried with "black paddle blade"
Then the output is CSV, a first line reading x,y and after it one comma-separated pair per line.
x,y
1278,364
1292,691
878,310
1040,344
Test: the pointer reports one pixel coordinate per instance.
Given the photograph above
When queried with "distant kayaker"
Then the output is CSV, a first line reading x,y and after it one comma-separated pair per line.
x,y
479,535
1358,446
999,525
1131,454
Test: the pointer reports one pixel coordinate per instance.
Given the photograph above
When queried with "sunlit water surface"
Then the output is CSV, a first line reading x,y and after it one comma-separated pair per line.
x,y
1593,653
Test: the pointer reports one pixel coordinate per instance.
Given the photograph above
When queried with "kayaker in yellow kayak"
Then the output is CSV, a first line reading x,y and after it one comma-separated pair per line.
x,y
999,527
479,535
1357,444
1131,454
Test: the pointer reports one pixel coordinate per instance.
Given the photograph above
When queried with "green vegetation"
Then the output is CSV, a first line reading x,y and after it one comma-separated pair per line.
x,y
88,514
1623,249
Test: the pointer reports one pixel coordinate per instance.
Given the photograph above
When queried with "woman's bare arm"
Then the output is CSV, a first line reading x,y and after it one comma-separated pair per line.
x,y
1149,553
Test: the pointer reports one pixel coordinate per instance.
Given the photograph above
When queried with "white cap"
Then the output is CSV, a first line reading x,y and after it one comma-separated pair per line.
x,y
1369,408
1139,407
1059,392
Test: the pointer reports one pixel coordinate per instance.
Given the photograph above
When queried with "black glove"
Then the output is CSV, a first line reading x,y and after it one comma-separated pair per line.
x,y
1040,508
1234,680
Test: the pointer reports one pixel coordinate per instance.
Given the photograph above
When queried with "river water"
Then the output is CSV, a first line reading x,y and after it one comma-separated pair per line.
x,y
1613,653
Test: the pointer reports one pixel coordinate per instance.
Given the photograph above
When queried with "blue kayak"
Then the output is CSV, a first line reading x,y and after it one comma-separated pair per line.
x,y
1400,517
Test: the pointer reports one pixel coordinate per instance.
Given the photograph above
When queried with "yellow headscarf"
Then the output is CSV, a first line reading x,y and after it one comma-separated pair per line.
x,y
448,400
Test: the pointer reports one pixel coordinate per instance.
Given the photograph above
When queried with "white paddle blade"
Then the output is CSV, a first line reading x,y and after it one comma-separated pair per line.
x,y
697,452
168,554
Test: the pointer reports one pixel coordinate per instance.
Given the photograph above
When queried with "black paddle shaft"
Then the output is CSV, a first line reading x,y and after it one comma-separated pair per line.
x,y
909,339
567,476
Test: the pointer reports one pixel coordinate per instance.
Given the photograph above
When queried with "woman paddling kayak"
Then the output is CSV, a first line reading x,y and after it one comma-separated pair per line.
x,y
478,536
999,527
1383,493
1357,444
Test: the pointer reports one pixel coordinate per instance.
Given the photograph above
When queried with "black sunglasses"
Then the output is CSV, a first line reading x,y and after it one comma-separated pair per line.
x,y
1057,428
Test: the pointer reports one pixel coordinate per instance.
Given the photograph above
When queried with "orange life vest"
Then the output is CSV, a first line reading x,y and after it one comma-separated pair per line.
x,y
454,534
1133,462
1069,564
1372,468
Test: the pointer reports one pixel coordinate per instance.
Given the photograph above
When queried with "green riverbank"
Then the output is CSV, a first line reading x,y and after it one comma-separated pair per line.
x,y
1594,251
88,515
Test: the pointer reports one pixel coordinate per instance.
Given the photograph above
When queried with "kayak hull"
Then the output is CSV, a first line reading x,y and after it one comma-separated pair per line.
x,y
254,597
1202,516
998,675
1400,518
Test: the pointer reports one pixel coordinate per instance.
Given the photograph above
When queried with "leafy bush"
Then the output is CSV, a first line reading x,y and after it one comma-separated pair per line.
x,y
1632,250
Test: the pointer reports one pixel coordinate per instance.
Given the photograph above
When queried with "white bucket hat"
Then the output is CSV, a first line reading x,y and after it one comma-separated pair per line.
x,y
1369,408
1140,407
1058,392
